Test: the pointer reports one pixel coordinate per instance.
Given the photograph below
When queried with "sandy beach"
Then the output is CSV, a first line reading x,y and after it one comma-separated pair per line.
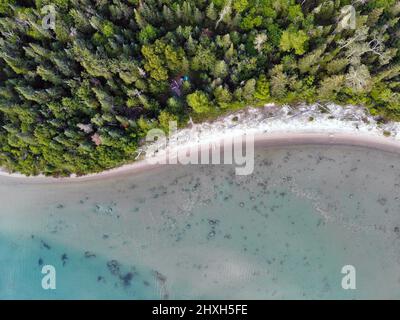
x,y
271,126
262,140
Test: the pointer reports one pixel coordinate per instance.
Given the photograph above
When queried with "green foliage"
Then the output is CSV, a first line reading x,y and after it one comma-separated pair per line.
x,y
5,6
222,96
147,34
262,89
154,63
80,98
240,5
164,120
199,102
294,40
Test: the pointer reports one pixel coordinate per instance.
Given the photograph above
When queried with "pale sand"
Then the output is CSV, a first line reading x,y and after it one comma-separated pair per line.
x,y
271,126
262,140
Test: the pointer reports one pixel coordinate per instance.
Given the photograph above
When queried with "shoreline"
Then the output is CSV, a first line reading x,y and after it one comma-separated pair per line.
x,y
271,126
262,140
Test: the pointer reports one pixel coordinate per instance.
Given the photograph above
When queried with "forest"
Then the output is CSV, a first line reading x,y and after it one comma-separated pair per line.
x,y
82,81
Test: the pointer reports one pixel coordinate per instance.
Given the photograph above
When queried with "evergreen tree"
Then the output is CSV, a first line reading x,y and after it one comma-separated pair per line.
x,y
79,97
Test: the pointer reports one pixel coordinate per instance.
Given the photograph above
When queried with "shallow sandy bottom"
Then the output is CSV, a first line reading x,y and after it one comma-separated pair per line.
x,y
202,232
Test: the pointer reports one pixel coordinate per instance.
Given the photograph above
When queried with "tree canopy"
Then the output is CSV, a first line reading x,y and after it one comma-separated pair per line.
x,y
79,96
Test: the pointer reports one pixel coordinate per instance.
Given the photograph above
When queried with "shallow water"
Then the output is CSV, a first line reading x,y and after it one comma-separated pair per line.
x,y
201,232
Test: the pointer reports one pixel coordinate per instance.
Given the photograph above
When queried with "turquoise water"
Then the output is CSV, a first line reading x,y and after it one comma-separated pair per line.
x,y
201,232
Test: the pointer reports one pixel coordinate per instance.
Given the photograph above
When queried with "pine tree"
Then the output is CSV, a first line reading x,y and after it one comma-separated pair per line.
x,y
168,15
220,69
229,53
211,12
279,81
310,63
330,86
139,19
374,16
337,65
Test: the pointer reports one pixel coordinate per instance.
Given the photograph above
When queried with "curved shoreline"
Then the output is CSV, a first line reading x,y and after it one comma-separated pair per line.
x,y
262,140
270,125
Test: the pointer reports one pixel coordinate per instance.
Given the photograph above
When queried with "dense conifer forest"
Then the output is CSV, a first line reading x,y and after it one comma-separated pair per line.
x,y
83,81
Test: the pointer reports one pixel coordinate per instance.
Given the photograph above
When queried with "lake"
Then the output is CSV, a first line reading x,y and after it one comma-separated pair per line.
x,y
202,232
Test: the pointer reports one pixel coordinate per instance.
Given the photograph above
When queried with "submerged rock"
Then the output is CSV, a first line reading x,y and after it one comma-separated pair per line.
x,y
45,245
127,278
64,258
89,254
160,277
114,267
